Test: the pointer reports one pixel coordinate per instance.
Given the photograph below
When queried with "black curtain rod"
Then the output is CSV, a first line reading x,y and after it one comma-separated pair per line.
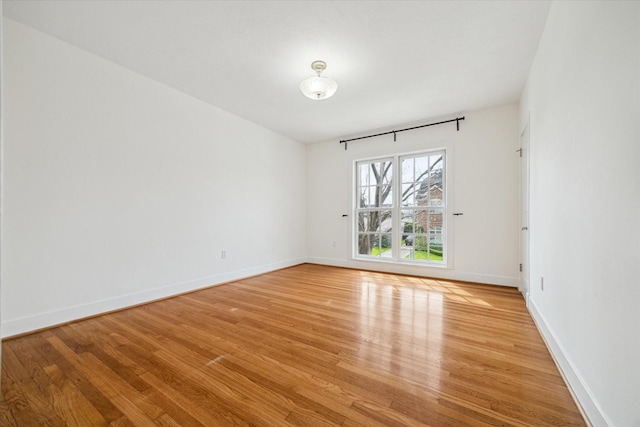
x,y
457,120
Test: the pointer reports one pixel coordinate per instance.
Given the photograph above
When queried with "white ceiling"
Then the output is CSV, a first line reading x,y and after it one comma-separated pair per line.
x,y
395,61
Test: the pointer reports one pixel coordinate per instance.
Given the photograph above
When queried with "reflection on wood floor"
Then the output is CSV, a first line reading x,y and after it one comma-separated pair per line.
x,y
307,345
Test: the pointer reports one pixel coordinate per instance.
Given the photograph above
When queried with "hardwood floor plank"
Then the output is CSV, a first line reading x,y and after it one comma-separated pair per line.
x,y
27,400
108,382
68,401
166,421
200,413
308,346
194,398
39,344
226,395
336,398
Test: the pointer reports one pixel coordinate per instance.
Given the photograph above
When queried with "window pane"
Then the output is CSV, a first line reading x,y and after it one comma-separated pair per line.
x,y
386,184
372,198
435,161
421,248
374,221
375,246
422,192
408,194
422,167
381,245
363,221
436,195
386,171
363,174
421,221
385,244
368,197
406,221
370,221
407,170
386,195
407,251
435,218
363,195
436,188
364,244
421,244
386,223
375,177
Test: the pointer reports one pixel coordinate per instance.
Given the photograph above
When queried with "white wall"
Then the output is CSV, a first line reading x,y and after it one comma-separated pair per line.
x,y
483,185
119,190
583,97
1,164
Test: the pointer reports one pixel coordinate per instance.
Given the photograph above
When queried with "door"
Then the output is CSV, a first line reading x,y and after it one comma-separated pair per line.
x,y
524,213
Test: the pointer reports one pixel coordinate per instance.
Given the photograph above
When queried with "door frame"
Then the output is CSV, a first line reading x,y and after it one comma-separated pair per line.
x,y
524,190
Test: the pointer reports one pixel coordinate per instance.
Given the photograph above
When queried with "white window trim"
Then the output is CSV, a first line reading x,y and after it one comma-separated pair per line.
x,y
396,234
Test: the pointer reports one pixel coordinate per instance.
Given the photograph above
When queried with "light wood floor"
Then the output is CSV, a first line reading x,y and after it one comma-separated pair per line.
x,y
308,345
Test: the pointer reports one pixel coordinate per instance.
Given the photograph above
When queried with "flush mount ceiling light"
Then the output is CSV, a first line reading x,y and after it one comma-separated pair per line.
x,y
318,87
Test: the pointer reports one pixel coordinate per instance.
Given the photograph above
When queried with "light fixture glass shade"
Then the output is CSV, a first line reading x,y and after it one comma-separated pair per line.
x,y
318,87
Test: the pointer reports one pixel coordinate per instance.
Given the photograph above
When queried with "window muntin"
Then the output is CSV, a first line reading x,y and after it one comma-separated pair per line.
x,y
409,227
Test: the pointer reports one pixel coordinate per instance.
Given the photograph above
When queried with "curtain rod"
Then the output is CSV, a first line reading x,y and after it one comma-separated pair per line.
x,y
457,120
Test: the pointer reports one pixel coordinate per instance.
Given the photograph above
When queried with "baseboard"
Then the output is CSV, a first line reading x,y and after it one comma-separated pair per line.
x,y
580,391
418,270
33,323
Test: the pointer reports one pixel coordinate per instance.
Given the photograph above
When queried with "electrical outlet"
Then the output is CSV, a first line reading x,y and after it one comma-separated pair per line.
x,y
541,283
223,254
333,244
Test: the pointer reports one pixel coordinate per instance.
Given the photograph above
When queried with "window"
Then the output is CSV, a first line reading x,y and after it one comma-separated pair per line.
x,y
375,203
401,208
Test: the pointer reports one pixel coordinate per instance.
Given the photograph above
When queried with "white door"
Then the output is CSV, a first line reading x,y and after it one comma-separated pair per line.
x,y
524,213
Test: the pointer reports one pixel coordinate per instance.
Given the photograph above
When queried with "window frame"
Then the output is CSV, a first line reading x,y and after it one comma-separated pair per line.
x,y
397,208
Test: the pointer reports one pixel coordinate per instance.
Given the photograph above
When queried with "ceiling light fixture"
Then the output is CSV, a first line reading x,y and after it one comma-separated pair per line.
x,y
318,87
